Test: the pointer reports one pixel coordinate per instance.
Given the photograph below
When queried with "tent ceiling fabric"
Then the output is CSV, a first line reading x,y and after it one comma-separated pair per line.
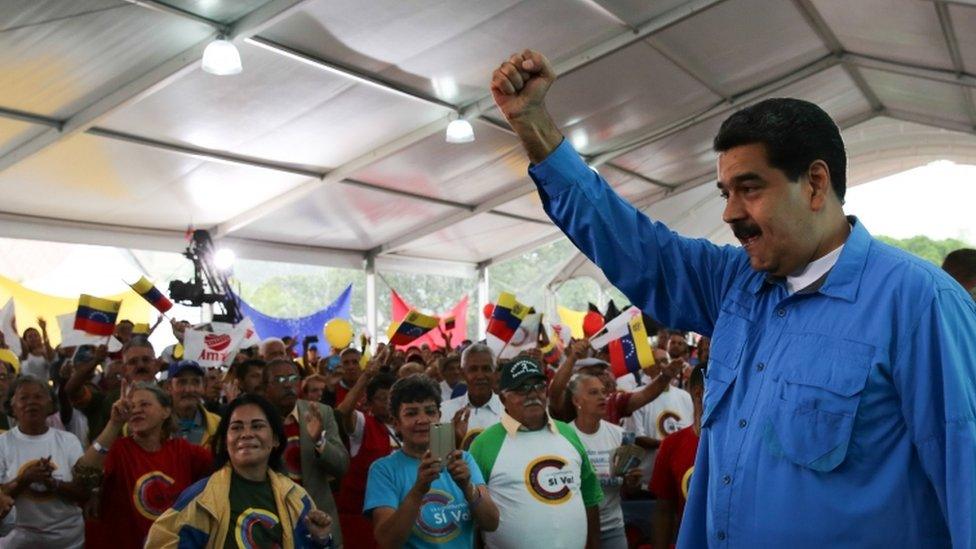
x,y
329,147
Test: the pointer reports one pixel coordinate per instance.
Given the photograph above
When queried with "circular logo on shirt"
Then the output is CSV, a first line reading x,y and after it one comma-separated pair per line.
x,y
440,517
253,529
549,481
686,481
37,491
153,494
469,438
668,422
292,458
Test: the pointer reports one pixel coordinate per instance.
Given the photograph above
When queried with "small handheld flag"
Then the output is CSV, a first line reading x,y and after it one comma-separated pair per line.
x,y
150,293
506,317
96,315
411,327
631,353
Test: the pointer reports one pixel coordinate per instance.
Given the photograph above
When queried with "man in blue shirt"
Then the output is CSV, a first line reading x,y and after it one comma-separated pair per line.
x,y
840,399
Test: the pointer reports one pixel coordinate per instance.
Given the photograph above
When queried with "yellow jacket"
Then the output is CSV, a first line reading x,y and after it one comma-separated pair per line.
x,y
201,515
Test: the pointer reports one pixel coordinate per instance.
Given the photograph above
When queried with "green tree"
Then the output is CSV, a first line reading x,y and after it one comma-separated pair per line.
x,y
933,251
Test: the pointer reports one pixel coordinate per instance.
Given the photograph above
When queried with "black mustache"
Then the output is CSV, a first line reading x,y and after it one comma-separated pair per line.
x,y
744,231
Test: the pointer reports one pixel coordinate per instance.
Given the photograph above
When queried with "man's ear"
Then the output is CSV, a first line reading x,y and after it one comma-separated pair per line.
x,y
818,178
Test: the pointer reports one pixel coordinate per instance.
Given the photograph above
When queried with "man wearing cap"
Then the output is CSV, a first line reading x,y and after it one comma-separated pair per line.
x,y
193,422
537,470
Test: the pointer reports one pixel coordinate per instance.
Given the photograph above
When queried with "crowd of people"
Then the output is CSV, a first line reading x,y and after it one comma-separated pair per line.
x,y
123,449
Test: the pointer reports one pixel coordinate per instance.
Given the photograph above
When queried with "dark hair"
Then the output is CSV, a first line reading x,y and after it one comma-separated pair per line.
x,y
961,263
794,133
240,371
138,341
274,362
348,350
222,456
28,380
126,321
382,381
411,389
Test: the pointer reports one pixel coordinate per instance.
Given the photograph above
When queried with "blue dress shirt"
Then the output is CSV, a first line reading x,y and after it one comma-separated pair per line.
x,y
839,416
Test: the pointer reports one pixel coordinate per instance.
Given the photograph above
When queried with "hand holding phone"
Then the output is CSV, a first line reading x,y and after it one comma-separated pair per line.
x,y
441,441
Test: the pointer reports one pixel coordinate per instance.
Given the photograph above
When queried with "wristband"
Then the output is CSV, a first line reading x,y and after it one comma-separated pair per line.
x,y
99,448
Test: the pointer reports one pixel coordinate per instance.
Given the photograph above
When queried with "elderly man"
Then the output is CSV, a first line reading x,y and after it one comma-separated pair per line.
x,y
480,407
537,469
314,454
186,385
840,406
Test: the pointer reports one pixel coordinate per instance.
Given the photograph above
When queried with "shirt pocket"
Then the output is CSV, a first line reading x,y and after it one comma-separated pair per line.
x,y
813,417
728,341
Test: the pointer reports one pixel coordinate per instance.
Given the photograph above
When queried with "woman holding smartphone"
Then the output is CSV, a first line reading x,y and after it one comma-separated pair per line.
x,y
416,500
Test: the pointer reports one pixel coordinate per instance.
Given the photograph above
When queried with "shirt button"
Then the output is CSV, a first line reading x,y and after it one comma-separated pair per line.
x,y
761,366
726,479
720,535
781,312
742,423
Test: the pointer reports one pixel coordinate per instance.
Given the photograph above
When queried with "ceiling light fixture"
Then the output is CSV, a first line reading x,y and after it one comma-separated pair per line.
x,y
224,259
221,58
459,131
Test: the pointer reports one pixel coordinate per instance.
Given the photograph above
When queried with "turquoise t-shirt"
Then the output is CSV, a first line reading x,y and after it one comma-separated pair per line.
x,y
444,519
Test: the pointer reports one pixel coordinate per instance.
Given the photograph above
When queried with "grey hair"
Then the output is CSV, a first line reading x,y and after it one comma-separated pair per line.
x,y
266,342
138,341
28,380
577,380
476,348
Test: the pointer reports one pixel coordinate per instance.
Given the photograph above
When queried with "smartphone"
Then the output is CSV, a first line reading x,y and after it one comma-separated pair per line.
x,y
83,354
442,441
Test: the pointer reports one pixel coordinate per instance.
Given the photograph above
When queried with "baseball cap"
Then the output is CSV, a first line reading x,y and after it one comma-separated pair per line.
x,y
8,356
177,368
518,372
590,363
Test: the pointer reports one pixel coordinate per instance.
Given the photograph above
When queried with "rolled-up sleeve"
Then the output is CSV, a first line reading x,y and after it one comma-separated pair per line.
x,y
680,281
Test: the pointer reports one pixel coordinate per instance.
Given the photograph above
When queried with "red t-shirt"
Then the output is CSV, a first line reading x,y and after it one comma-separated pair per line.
x,y
674,466
292,457
139,485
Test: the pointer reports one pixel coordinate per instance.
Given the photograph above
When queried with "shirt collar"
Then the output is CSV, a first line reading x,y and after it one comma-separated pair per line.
x,y
494,404
844,278
512,425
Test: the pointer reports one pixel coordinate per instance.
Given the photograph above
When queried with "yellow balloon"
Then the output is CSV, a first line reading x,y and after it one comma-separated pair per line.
x,y
338,332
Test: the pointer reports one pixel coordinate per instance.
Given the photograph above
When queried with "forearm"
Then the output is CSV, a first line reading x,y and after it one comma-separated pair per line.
x,y
557,388
105,439
483,509
593,527
647,443
647,393
394,531
538,133
347,407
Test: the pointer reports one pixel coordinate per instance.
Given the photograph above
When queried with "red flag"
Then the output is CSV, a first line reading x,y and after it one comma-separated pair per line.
x,y
433,338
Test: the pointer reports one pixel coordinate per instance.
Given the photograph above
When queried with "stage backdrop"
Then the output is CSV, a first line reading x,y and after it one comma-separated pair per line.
x,y
311,325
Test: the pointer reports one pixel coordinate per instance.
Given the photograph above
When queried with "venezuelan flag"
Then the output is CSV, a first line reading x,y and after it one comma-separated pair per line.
x,y
96,315
150,293
631,353
506,317
411,327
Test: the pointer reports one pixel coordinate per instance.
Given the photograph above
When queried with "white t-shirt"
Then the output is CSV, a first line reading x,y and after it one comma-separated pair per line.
x,y
668,413
446,391
36,366
629,383
43,520
481,418
600,447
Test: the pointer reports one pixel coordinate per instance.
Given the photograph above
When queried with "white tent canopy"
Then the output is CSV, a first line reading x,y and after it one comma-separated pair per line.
x,y
329,147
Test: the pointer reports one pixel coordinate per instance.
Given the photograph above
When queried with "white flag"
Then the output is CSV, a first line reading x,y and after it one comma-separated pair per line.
x,y
615,329
211,349
526,337
251,337
10,335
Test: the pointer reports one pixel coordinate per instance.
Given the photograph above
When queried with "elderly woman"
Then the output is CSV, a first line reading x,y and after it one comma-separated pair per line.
x,y
601,440
35,467
143,472
414,500
246,502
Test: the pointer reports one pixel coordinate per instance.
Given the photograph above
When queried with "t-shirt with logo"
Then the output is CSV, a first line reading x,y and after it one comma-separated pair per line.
x,y
670,412
600,447
479,419
292,456
43,519
674,467
139,485
254,518
542,482
444,520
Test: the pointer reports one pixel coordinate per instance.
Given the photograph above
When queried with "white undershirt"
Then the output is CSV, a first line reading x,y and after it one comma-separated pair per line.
x,y
812,272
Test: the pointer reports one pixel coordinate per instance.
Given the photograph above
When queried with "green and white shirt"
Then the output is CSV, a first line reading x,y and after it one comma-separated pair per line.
x,y
542,482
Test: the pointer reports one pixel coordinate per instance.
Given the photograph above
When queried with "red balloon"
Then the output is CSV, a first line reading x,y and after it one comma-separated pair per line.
x,y
592,323
489,308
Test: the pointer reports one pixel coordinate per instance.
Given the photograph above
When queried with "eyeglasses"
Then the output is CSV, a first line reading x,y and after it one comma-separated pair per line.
x,y
529,389
293,378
